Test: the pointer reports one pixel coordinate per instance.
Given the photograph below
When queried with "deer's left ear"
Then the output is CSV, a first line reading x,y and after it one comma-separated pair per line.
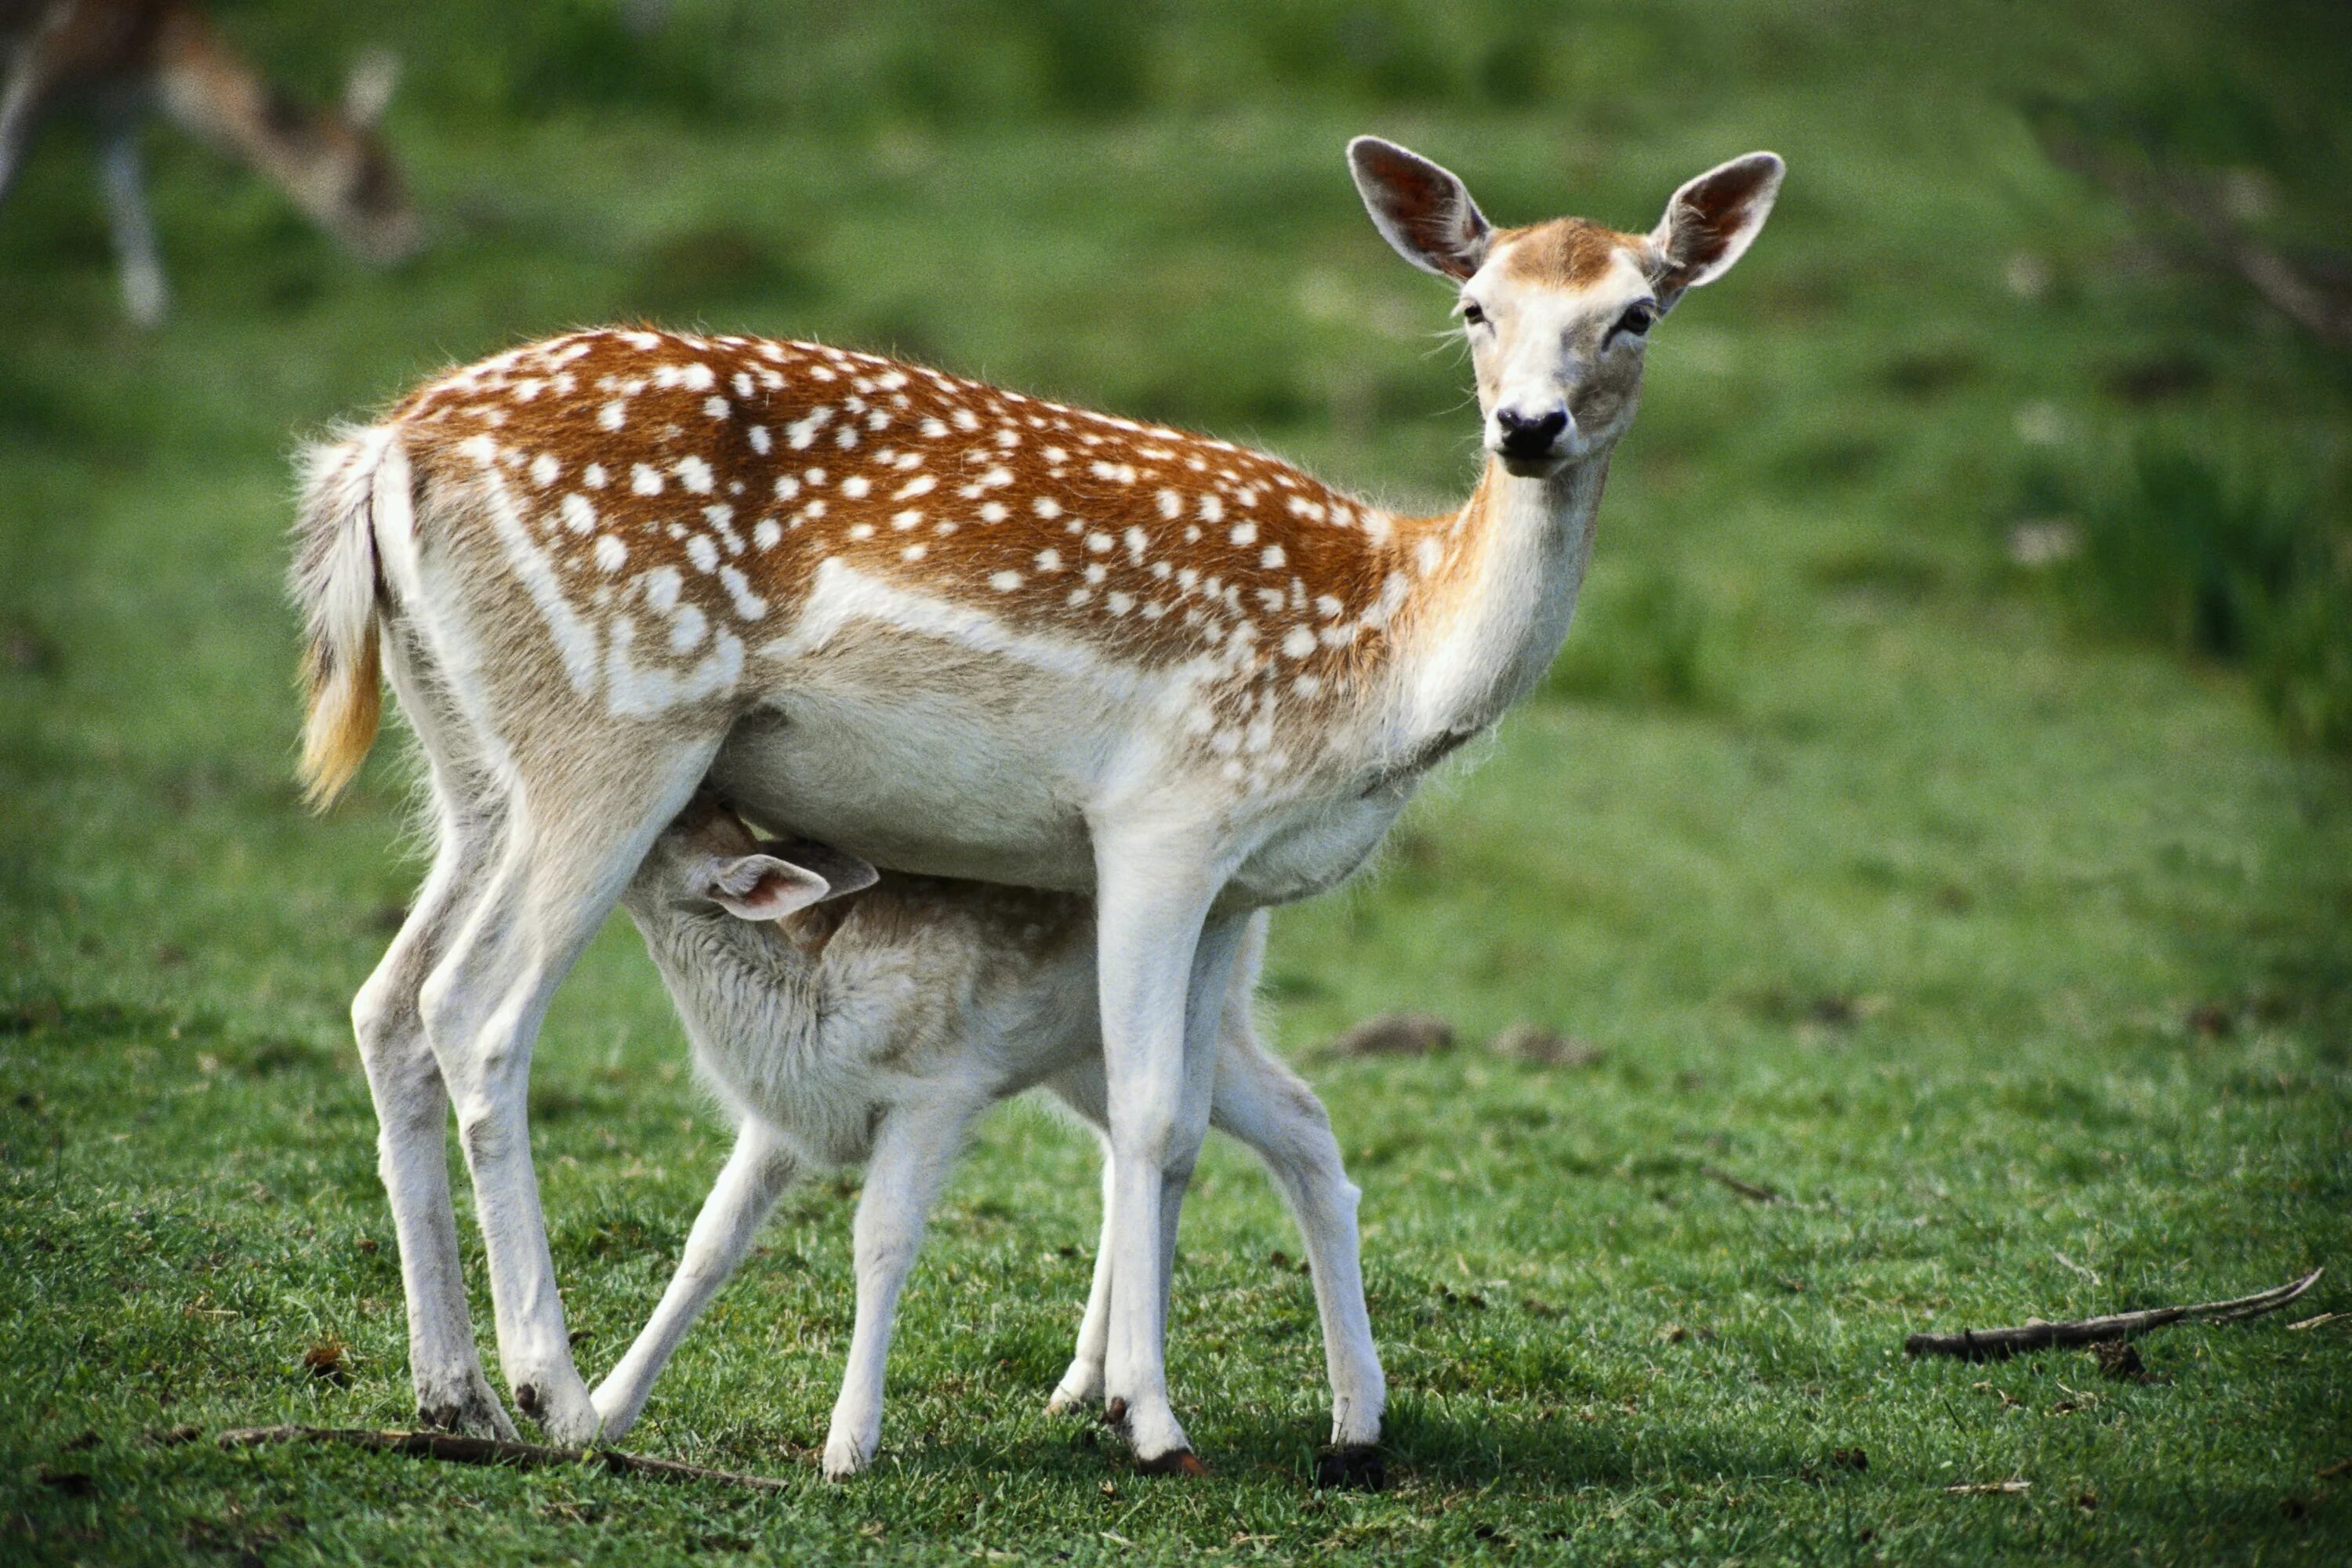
x,y
763,888
1712,220
368,89
844,873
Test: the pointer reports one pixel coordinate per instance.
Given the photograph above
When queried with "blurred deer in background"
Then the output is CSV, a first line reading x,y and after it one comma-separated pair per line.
x,y
123,57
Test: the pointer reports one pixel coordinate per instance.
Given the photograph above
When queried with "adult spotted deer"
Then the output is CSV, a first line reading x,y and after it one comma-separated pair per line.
x,y
123,55
879,1027
950,628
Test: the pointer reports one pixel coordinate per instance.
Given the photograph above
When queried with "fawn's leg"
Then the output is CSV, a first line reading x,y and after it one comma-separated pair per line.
x,y
1082,1384
913,1153
755,1175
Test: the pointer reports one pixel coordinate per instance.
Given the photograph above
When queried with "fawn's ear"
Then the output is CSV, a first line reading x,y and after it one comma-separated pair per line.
x,y
763,888
368,89
1421,209
1711,221
845,873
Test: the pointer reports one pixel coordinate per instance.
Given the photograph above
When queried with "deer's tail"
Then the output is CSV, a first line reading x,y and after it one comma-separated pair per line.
x,y
352,487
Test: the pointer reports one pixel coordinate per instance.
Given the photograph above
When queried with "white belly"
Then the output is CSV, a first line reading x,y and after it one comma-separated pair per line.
x,y
930,741
918,783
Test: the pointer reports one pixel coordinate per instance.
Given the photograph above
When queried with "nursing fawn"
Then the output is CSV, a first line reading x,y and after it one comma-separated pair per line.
x,y
839,1022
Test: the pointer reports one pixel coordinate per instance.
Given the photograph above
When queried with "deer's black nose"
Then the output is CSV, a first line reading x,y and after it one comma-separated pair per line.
x,y
1526,436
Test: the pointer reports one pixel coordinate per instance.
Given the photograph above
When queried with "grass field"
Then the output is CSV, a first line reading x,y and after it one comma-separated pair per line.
x,y
2019,959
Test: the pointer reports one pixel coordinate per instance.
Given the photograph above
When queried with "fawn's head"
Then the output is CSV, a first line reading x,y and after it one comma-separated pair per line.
x,y
709,856
1557,313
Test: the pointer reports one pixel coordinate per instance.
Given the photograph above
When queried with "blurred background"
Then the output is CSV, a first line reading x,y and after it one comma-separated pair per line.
x,y
1945,781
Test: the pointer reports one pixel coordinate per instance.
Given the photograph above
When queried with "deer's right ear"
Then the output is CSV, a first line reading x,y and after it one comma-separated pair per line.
x,y
763,888
1421,209
367,91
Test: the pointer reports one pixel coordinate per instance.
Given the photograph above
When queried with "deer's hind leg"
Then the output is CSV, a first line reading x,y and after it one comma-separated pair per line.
x,y
412,1106
575,825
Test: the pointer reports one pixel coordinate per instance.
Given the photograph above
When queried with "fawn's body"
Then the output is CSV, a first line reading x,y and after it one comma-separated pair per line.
x,y
878,1028
951,629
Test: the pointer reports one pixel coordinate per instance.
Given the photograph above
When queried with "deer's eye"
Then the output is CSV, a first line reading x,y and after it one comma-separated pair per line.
x,y
1473,314
1636,320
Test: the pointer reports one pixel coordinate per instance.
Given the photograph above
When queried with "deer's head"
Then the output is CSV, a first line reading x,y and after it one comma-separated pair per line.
x,y
338,168
1558,313
707,856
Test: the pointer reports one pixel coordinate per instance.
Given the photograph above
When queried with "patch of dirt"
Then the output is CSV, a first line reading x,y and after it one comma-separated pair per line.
x,y
1532,1042
330,1362
1396,1035
2119,1360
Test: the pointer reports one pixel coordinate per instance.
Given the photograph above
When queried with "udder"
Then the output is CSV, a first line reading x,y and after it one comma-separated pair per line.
x,y
914,784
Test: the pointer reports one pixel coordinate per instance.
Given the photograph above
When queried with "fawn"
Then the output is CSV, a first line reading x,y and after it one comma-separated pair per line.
x,y
843,1021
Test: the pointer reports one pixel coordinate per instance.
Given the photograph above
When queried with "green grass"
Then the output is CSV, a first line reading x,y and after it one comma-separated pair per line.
x,y
1876,876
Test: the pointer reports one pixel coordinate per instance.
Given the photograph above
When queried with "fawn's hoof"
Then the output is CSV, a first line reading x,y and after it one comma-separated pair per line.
x,y
1177,1462
1352,1467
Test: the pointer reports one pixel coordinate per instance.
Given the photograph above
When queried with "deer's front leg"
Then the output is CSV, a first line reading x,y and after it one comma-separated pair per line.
x,y
756,1174
1154,895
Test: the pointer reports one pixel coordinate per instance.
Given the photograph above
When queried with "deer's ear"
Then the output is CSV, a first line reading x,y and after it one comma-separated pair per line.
x,y
763,888
1421,209
367,91
1713,219
845,873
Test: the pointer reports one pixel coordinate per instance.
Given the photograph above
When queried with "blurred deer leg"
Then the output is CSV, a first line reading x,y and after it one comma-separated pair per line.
x,y
123,174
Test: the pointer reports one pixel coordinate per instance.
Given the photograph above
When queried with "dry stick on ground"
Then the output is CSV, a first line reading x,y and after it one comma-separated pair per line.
x,y
495,1451
1993,1344
1752,1190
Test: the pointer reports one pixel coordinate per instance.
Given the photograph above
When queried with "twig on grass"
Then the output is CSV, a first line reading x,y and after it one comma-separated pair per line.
x,y
2090,1274
1989,1489
1994,1344
1751,1191
466,1450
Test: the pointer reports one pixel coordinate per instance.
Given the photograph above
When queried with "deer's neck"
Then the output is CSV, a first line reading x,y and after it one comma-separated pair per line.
x,y
740,986
212,92
1495,612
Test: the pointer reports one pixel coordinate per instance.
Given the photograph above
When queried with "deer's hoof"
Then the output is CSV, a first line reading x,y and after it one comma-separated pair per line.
x,y
1176,1462
1352,1468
